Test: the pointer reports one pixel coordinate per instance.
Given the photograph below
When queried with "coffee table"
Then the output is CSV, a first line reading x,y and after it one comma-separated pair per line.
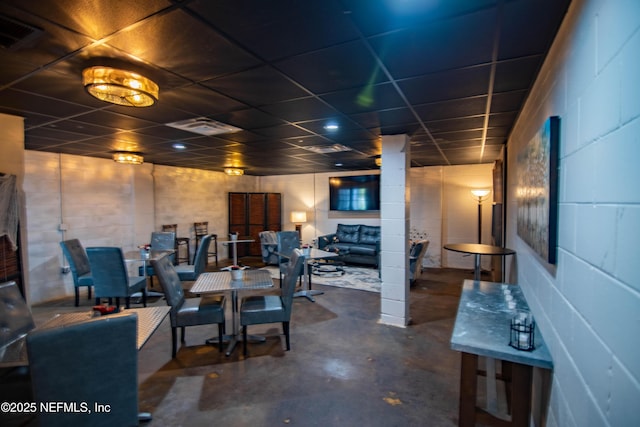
x,y
327,267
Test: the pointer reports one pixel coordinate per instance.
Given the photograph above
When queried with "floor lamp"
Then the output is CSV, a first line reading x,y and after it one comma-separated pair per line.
x,y
480,195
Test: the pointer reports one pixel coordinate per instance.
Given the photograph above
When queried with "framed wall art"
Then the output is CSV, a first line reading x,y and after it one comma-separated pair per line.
x,y
537,190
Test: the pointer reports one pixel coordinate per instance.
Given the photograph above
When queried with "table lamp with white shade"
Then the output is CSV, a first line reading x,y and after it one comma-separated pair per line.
x,y
298,218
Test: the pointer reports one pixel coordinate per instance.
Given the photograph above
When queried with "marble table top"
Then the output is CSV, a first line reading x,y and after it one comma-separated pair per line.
x,y
482,324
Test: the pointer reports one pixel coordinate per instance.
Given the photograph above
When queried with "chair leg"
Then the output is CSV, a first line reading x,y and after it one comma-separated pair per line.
x,y
244,340
144,297
127,302
89,292
285,328
77,296
174,342
182,331
97,301
220,335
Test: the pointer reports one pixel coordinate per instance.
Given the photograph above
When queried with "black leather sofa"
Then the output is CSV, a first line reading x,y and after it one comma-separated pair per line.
x,y
354,243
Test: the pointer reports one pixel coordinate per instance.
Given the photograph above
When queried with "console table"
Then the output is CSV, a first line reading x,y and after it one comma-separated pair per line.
x,y
482,328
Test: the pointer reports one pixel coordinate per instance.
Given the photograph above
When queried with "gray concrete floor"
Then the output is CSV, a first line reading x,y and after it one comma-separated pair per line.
x,y
344,367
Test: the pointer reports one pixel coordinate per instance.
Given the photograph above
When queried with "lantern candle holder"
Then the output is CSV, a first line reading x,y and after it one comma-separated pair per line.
x,y
522,331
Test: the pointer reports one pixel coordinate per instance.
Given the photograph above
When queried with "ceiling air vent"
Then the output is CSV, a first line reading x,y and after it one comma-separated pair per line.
x,y
14,33
204,126
327,149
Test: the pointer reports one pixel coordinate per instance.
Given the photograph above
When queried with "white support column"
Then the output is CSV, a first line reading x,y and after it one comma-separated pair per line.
x,y
394,214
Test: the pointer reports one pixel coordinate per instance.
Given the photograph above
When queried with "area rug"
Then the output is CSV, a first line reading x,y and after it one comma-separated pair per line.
x,y
360,278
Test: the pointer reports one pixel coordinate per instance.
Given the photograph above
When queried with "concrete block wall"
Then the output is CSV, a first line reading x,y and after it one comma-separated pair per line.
x,y
395,193
103,203
184,196
92,197
588,305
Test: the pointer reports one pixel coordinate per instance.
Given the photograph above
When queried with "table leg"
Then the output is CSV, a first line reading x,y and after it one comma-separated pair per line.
x,y
235,252
235,337
150,293
306,288
476,271
468,385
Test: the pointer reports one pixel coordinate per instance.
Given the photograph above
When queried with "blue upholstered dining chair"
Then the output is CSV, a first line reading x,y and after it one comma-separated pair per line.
x,y
160,241
95,361
188,311
261,309
191,272
287,242
111,278
79,264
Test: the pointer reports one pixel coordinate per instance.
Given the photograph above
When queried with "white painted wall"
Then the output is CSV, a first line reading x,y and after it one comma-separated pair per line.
x,y
460,211
588,305
435,193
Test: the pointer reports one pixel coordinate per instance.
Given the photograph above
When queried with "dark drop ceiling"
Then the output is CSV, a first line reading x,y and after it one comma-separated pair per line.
x,y
451,74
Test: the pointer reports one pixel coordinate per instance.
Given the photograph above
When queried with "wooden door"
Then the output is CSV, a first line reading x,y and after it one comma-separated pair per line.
x,y
251,213
257,219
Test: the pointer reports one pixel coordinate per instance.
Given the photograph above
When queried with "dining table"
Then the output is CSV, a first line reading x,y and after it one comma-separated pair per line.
x,y
482,330
222,281
149,318
478,250
234,248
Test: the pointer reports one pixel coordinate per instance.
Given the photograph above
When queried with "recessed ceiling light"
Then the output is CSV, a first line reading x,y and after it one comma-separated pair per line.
x,y
331,126
179,146
338,164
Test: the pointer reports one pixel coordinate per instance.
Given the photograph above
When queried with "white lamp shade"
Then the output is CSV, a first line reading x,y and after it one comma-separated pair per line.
x,y
298,217
480,193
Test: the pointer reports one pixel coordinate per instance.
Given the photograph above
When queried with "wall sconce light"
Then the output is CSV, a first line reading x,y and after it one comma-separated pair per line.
x,y
128,157
378,161
119,86
480,195
298,217
234,171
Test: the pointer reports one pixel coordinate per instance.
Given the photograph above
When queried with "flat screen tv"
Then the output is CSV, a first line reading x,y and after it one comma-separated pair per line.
x,y
354,193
